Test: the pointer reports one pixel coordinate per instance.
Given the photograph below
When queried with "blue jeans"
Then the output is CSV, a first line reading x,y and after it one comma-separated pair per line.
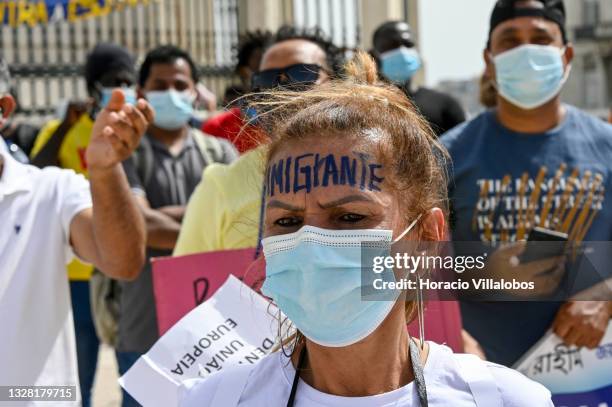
x,y
125,360
87,342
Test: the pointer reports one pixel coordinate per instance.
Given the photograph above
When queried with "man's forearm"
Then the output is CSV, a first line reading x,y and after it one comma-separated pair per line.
x,y
118,224
162,229
176,212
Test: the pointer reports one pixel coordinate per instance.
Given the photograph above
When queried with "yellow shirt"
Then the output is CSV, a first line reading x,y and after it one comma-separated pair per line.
x,y
72,151
223,211
71,156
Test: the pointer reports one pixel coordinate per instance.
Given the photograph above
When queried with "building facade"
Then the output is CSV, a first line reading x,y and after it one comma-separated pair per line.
x,y
46,59
589,24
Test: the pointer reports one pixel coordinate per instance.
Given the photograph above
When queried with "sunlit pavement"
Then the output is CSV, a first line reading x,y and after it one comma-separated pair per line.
x,y
106,391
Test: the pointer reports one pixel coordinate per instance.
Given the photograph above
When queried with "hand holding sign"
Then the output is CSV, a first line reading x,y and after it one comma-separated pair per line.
x,y
576,377
582,323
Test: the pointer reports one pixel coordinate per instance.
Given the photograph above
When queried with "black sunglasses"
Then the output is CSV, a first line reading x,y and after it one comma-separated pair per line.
x,y
298,74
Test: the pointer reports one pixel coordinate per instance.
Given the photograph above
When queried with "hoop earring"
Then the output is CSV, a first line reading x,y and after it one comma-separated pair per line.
x,y
420,313
282,341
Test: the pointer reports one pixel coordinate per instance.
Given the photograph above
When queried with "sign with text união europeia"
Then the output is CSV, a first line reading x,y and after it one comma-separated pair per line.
x,y
33,12
236,326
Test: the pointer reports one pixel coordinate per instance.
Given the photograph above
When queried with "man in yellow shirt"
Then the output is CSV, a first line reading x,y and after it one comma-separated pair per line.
x,y
224,210
63,143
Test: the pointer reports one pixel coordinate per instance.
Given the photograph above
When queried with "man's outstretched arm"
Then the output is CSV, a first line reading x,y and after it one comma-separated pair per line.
x,y
112,234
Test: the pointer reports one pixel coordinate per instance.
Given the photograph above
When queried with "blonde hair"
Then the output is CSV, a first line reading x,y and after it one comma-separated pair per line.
x,y
356,104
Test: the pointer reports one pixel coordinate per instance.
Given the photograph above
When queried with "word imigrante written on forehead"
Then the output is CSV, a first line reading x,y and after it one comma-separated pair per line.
x,y
313,170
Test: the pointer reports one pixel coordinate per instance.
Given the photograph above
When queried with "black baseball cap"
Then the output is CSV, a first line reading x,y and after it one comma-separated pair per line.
x,y
107,57
552,10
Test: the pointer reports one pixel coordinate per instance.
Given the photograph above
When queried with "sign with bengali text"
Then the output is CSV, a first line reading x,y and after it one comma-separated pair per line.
x,y
576,377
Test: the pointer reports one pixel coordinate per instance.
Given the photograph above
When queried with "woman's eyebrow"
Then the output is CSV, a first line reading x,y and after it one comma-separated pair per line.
x,y
344,200
283,205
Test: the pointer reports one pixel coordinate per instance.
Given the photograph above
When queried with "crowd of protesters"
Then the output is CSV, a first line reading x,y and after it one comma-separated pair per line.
x,y
134,173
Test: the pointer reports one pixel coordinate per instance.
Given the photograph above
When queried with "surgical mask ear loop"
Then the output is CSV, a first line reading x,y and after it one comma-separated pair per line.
x,y
419,292
408,229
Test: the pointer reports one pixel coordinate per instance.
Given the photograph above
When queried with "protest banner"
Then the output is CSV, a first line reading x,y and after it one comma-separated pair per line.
x,y
32,12
235,326
576,377
182,283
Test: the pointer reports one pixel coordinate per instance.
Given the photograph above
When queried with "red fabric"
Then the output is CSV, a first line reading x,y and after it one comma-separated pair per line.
x,y
228,125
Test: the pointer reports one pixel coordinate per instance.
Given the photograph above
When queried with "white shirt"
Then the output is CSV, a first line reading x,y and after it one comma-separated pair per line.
x,y
269,385
37,343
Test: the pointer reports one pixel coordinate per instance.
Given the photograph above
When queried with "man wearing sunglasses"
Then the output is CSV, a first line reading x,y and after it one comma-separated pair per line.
x,y
294,76
223,212
230,123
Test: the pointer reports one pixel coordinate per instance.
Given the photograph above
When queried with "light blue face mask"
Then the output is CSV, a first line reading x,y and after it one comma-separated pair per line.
x,y
173,109
530,75
128,92
400,64
316,278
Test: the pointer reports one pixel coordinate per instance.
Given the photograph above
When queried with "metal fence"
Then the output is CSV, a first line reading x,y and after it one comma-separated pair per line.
x,y
339,19
46,60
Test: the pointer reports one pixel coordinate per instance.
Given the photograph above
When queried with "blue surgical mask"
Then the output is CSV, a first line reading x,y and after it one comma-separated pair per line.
x,y
318,279
128,92
400,64
173,109
530,75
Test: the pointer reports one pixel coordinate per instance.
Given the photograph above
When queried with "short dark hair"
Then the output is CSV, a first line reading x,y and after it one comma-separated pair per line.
x,y
165,54
391,27
250,42
333,54
104,58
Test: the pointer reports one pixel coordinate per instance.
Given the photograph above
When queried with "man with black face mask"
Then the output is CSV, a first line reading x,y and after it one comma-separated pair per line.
x,y
533,162
399,61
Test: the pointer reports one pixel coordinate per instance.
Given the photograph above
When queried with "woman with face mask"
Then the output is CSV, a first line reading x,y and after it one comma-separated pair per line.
x,y
352,169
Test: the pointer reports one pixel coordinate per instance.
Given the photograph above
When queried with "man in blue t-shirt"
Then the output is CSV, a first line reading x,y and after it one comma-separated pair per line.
x,y
532,161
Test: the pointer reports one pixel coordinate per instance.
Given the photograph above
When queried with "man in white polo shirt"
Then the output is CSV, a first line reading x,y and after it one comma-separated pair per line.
x,y
46,217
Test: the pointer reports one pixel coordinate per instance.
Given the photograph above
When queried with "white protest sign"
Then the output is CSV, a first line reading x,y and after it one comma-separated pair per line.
x,y
235,326
576,377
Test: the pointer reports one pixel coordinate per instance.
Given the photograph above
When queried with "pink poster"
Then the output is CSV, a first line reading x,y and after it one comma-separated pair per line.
x,y
182,283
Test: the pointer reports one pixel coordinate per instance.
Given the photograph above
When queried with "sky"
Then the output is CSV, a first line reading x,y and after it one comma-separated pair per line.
x,y
452,35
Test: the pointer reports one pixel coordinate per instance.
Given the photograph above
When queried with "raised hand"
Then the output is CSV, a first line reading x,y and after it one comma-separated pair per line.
x,y
117,131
